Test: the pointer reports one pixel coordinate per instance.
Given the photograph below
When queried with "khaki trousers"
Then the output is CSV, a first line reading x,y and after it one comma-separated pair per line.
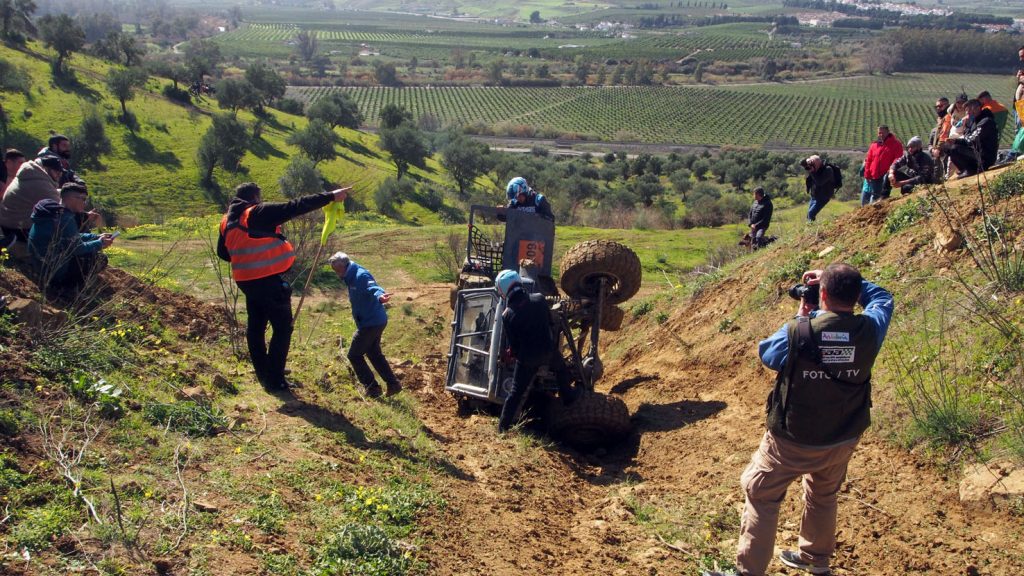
x,y
775,465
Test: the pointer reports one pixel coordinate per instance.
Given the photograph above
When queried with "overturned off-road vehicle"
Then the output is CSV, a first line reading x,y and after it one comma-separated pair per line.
x,y
595,277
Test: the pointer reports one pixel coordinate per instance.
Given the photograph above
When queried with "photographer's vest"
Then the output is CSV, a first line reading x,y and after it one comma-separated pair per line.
x,y
255,255
822,395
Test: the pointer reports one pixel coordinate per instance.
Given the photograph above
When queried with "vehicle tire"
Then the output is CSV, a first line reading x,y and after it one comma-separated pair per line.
x,y
611,318
593,420
587,262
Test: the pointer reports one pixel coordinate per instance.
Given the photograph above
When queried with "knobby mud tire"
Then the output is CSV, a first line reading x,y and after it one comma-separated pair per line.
x,y
587,262
593,420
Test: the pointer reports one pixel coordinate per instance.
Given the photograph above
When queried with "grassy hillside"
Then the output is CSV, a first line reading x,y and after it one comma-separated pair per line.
x,y
151,174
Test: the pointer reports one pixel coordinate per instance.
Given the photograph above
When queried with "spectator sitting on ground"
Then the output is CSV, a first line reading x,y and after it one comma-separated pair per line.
x,y
63,257
955,118
914,167
59,145
882,153
976,150
999,112
36,180
13,159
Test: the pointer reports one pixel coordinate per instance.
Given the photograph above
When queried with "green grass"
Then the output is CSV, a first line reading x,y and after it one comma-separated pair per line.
x,y
151,175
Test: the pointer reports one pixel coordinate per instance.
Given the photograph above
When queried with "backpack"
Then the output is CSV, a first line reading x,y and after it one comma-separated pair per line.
x,y
837,175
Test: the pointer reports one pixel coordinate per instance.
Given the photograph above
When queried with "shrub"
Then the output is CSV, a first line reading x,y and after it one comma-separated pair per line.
x,y
363,549
91,141
906,215
1008,184
172,92
289,105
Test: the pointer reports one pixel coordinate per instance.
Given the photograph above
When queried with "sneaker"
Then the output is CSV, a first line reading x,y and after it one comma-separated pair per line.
x,y
373,391
793,560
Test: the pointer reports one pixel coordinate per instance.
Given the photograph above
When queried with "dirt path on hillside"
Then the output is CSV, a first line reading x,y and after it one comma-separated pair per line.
x,y
521,506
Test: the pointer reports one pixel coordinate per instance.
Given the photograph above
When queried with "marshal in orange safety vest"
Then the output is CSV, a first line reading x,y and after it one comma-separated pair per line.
x,y
255,255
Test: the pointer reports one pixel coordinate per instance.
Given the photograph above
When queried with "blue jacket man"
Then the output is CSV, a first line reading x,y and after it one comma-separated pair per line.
x,y
61,255
367,299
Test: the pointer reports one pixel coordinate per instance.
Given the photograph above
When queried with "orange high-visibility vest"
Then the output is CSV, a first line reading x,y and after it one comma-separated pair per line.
x,y
252,257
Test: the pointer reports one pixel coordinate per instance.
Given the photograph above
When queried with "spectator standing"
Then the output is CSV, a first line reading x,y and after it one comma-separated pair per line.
x,y
760,217
251,239
820,183
914,167
881,154
817,412
63,257
13,159
941,110
367,299
976,150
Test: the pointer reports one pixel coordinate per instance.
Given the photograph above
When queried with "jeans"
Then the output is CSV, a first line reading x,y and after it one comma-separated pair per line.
x,y
366,344
815,206
772,469
268,300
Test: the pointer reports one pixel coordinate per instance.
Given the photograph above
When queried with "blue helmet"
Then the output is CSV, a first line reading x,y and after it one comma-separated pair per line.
x,y
505,281
517,186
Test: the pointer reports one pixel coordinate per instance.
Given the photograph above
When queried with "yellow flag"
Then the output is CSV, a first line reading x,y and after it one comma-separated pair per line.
x,y
333,213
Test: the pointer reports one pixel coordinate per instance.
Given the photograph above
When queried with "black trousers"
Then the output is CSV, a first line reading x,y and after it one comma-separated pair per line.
x,y
965,158
268,300
366,344
522,377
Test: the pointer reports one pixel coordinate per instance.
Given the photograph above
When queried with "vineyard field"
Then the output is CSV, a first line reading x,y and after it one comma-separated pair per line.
x,y
840,113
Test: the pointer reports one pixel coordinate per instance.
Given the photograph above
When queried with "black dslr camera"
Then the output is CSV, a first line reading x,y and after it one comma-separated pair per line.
x,y
805,164
807,293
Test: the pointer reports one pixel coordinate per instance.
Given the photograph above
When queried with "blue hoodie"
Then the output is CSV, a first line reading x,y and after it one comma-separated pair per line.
x,y
364,294
54,227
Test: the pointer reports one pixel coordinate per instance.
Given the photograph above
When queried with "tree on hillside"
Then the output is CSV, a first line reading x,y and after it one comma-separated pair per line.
x,y
300,178
306,45
698,73
337,108
63,35
883,55
406,146
268,84
495,71
90,138
578,190
647,188
201,59
390,192
14,78
224,144
681,182
316,140
119,47
391,115
535,17
465,159
122,83
582,69
235,93
16,20
386,74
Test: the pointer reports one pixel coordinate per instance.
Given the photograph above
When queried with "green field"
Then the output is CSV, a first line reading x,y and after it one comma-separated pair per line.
x,y
840,113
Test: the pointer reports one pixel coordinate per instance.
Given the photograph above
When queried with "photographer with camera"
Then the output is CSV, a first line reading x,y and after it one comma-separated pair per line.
x,y
821,184
817,412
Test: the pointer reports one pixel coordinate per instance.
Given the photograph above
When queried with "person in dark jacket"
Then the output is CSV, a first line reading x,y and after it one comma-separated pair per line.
x,y
820,183
367,299
760,216
914,167
59,146
522,197
252,241
817,412
62,256
526,321
976,150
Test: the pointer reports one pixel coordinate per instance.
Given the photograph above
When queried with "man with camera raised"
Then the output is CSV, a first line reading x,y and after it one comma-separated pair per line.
x,y
817,412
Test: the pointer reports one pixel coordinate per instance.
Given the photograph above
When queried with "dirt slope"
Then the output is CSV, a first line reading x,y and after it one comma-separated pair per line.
x,y
697,393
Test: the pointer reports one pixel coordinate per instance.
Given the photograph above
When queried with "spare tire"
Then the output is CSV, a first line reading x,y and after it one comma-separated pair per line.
x,y
593,420
587,262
